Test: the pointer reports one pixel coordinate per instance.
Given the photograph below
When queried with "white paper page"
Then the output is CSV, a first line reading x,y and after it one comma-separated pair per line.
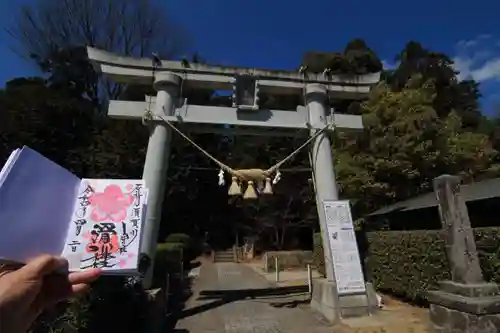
x,y
105,228
8,165
36,201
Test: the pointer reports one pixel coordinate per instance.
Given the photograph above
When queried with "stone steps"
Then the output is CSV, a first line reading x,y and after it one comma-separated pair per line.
x,y
224,256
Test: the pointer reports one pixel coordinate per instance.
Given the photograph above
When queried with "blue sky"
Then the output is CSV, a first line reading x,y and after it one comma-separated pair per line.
x,y
275,33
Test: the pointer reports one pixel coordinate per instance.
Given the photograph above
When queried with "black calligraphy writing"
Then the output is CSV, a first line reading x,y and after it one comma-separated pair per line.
x,y
74,245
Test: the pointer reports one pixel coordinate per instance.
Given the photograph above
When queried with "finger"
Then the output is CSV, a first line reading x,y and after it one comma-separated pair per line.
x,y
59,287
56,287
79,289
6,269
85,276
9,266
41,266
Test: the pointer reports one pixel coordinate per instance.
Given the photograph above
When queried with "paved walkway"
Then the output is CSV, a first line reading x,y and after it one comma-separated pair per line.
x,y
230,298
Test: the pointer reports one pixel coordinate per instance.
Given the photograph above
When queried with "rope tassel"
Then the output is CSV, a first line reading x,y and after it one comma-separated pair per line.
x,y
221,178
277,177
268,189
235,188
250,192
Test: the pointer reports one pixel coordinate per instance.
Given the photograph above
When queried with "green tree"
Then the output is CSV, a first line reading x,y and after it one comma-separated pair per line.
x,y
451,93
360,59
55,124
357,58
405,144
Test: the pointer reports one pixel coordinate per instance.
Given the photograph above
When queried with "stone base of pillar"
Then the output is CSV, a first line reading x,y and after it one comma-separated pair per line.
x,y
325,302
471,308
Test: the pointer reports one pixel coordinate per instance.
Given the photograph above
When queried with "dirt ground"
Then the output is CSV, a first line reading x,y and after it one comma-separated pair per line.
x,y
394,317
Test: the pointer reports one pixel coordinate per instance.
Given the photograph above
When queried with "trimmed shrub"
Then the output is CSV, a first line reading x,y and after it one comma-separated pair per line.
x,y
110,297
318,258
407,263
170,247
191,247
167,261
179,238
488,248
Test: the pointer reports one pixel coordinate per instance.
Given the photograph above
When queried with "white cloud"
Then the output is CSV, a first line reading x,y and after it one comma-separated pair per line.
x,y
464,44
467,43
485,36
389,65
478,59
489,70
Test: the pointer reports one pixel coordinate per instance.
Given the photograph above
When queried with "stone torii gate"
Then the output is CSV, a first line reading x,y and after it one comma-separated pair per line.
x,y
245,117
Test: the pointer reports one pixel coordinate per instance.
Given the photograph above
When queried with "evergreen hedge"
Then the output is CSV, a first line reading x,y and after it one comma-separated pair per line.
x,y
179,238
318,258
407,263
111,297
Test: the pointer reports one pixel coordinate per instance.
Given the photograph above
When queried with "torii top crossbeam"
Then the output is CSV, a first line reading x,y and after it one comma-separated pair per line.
x,y
210,118
139,71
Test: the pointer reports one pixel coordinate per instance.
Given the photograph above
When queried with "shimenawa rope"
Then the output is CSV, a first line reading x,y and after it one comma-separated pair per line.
x,y
243,174
248,175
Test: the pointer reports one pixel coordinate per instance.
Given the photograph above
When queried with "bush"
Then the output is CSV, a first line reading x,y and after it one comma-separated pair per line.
x,y
407,263
110,298
170,247
167,261
179,238
318,257
191,248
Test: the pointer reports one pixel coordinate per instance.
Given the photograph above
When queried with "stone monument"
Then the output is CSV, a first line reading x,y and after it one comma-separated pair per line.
x,y
466,303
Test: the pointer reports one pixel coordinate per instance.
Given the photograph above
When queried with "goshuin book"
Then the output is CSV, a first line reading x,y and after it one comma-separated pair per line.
x,y
45,209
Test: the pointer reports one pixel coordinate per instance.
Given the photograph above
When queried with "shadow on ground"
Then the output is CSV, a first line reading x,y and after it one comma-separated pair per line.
x,y
180,292
290,304
222,297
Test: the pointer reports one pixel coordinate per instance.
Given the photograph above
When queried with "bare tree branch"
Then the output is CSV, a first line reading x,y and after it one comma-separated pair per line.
x,y
127,27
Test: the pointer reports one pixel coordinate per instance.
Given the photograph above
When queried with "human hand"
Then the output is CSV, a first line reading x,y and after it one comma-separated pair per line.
x,y
27,291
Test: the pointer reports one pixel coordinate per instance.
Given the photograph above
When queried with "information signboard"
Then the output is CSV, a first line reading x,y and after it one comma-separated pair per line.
x,y
344,249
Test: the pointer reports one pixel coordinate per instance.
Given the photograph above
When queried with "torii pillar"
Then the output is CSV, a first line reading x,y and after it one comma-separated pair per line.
x,y
325,184
156,166
325,297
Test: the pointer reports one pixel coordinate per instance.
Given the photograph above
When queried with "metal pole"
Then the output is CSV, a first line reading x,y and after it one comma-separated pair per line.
x,y
276,267
309,278
182,266
167,292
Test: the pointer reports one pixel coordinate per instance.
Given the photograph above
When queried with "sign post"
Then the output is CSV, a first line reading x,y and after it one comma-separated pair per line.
x,y
343,246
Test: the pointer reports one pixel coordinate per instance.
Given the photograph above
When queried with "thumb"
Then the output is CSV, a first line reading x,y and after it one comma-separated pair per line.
x,y
41,266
